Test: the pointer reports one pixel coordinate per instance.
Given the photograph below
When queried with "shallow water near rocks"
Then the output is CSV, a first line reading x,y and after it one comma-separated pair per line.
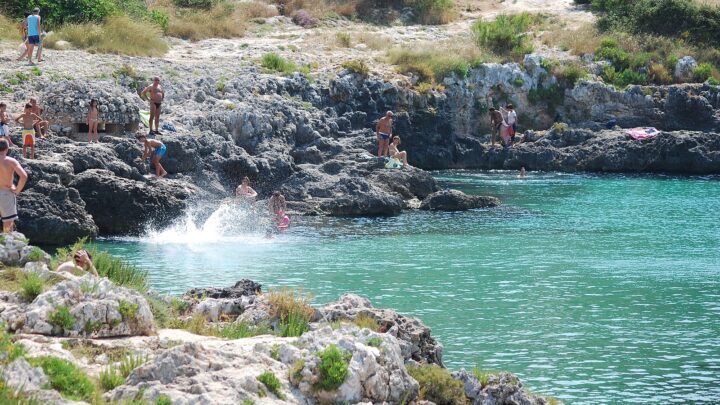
x,y
593,288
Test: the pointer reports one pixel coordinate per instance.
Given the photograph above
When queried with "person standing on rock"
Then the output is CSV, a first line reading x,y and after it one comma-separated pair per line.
x,y
157,95
29,120
9,167
93,118
496,120
384,132
156,150
4,130
511,120
41,127
34,30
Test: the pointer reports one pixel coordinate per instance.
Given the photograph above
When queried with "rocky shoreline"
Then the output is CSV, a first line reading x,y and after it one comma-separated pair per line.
x,y
93,325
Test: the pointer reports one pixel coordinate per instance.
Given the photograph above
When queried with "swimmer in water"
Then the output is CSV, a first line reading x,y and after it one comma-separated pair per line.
x,y
522,173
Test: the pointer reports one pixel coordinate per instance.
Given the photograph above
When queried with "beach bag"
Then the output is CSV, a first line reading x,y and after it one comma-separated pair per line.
x,y
392,163
22,48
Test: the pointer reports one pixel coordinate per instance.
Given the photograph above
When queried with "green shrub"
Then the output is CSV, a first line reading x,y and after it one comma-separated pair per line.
x,y
628,77
366,321
240,330
12,396
129,363
609,74
35,255
206,4
9,350
272,383
569,75
118,271
110,378
357,66
343,39
54,13
163,400
66,378
506,34
275,62
617,56
658,74
295,371
62,318
428,65
159,18
374,341
292,309
218,22
333,368
437,385
702,72
128,310
552,96
31,285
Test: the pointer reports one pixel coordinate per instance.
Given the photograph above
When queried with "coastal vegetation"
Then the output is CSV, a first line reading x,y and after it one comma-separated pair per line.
x,y
272,383
333,368
437,385
66,378
31,285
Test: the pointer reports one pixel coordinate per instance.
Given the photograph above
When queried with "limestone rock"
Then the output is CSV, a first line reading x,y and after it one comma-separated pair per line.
x,y
20,375
454,200
684,68
501,388
96,308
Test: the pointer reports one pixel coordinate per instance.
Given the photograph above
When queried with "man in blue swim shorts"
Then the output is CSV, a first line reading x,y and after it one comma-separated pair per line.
x,y
155,150
384,133
34,30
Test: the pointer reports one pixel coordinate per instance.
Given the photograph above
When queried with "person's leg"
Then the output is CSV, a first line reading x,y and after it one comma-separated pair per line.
x,y
492,136
386,147
29,52
157,118
380,147
159,170
8,225
44,127
403,155
152,117
24,151
32,151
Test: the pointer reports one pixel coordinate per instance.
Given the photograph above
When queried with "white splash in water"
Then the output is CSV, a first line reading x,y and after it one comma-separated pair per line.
x,y
228,223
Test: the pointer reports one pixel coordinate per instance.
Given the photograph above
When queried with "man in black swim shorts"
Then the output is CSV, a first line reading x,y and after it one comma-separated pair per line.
x,y
156,95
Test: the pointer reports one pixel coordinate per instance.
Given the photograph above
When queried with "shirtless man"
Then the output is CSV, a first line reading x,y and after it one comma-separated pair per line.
x,y
496,120
82,261
42,126
8,190
244,191
384,132
395,153
4,119
157,95
156,150
29,120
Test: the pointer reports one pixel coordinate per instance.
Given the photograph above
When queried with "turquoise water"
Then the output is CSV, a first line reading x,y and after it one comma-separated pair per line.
x,y
594,289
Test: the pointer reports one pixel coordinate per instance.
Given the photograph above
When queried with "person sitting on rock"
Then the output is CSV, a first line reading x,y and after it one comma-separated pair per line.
x,y
41,127
9,167
244,191
395,153
82,261
29,120
155,150
384,132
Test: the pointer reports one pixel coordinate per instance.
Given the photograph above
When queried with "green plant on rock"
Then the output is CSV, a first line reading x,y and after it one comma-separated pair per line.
x,y
35,255
62,318
66,378
129,363
272,383
240,330
333,368
110,378
366,321
31,285
291,307
128,310
277,63
295,371
560,127
9,350
437,385
702,72
374,341
507,34
163,400
343,39
275,352
357,66
118,271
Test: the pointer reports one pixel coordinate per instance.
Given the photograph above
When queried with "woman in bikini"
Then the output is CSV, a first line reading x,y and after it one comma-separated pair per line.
x,y
92,121
244,192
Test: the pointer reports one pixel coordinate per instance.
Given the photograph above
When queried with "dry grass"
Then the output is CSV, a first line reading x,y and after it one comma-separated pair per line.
x,y
373,41
196,25
119,35
8,29
285,302
431,62
585,39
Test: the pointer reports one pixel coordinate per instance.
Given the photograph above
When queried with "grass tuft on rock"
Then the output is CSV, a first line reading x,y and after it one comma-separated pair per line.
x,y
437,385
366,321
110,378
9,350
128,310
62,318
35,255
31,285
357,66
129,363
272,383
66,378
333,368
292,308
428,64
507,34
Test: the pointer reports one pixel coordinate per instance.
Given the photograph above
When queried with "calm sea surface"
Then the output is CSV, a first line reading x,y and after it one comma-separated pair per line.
x,y
593,288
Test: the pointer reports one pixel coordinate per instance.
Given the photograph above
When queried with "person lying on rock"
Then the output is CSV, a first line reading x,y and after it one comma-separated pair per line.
x,y
395,153
28,119
155,150
42,126
155,94
82,261
384,132
244,191
9,167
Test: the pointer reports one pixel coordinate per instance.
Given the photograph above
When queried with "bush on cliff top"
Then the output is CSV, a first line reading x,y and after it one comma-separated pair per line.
x,y
507,34
333,368
31,285
437,385
66,378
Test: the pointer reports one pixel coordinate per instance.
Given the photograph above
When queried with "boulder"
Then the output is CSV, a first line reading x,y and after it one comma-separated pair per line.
x,y
85,306
125,206
414,337
20,375
243,288
684,68
500,388
454,200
